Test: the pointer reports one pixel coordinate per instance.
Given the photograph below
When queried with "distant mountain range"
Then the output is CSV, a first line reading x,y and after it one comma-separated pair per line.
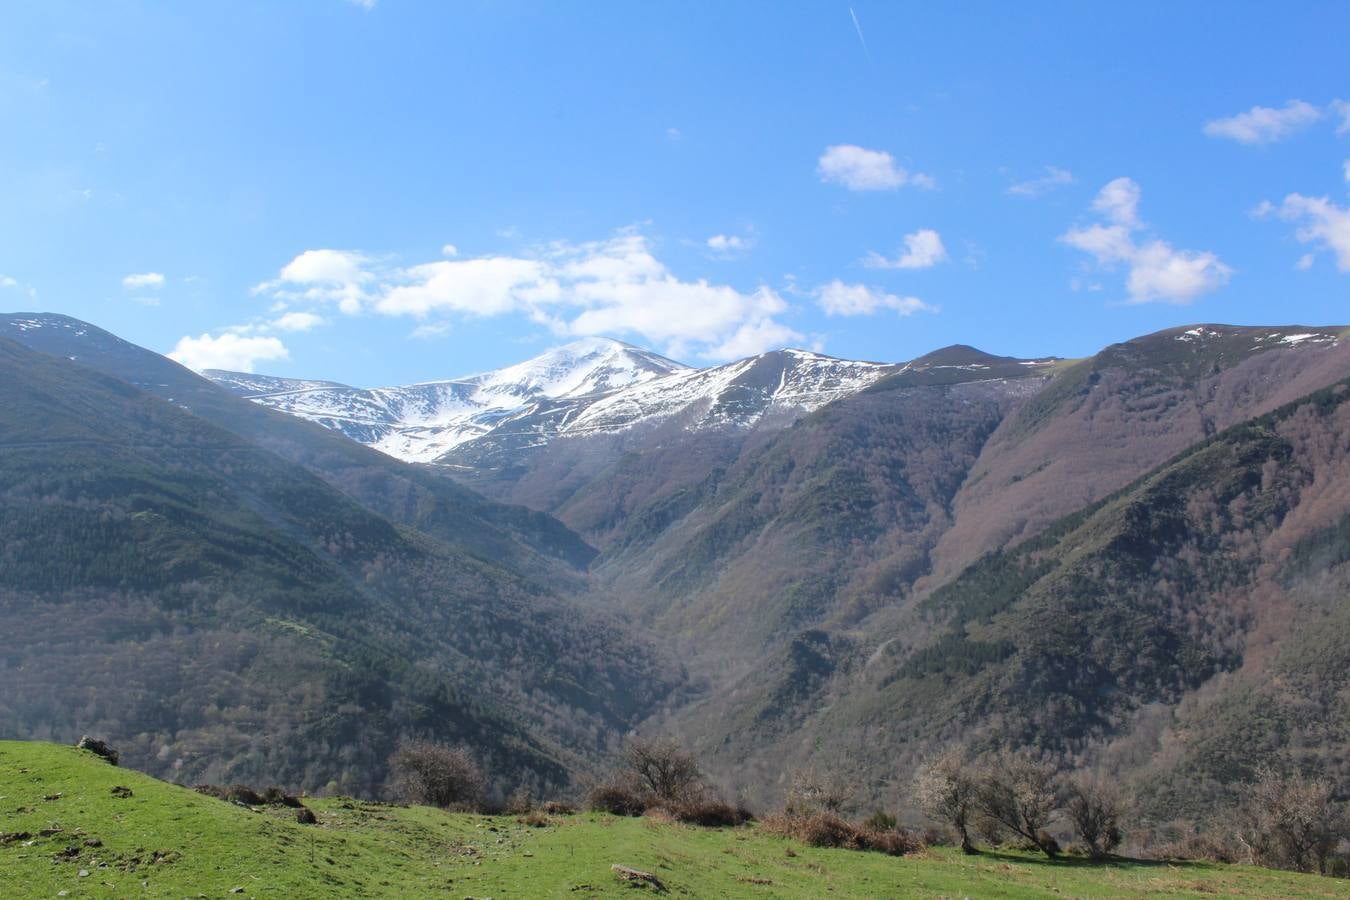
x,y
1138,561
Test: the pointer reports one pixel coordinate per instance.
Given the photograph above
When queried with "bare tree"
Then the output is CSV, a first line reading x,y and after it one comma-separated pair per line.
x,y
945,790
811,792
1022,795
1290,821
670,771
1095,807
436,775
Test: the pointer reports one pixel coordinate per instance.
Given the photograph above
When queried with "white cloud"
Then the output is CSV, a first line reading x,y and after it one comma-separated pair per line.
x,y
839,299
728,245
1054,177
325,266
1305,262
337,276
1119,202
753,338
1342,109
673,134
1322,223
367,5
297,321
1345,170
614,286
923,250
144,280
430,330
860,169
227,351
1157,271
1263,124
27,289
450,250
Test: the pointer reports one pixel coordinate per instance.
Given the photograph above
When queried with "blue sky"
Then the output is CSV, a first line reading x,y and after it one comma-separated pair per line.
x,y
391,192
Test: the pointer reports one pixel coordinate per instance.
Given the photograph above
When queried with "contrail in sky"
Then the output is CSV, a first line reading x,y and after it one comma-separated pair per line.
x,y
862,40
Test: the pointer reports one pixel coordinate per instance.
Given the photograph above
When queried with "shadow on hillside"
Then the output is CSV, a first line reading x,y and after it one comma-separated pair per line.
x,y
1084,862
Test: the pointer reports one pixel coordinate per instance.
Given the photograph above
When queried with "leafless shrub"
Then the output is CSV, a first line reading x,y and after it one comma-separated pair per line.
x,y
945,789
1022,795
1095,807
811,792
1290,821
436,775
669,771
520,802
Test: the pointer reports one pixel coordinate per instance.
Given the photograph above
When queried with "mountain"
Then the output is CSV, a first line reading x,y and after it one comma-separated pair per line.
x,y
1134,561
423,498
524,433
877,577
1180,632
424,422
223,613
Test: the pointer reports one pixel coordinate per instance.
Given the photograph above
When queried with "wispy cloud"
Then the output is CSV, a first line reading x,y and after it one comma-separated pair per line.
x,y
1157,272
1054,177
1341,108
860,169
857,26
726,246
297,321
923,249
143,281
1321,223
1264,124
9,283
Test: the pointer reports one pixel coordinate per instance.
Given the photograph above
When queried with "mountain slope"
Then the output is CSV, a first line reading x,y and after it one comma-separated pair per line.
x,y
423,498
1167,633
822,522
223,613
1106,420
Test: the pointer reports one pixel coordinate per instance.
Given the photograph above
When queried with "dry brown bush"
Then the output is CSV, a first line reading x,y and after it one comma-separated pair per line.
x,y
620,796
825,829
708,811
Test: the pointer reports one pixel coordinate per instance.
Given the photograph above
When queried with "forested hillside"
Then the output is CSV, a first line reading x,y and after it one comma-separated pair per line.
x,y
222,613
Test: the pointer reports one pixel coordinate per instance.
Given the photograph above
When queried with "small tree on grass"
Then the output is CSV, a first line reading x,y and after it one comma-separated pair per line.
x,y
1022,795
436,775
1095,807
1290,821
664,767
945,790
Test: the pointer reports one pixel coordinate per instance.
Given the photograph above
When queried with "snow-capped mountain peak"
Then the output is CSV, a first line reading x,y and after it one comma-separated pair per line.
x,y
583,367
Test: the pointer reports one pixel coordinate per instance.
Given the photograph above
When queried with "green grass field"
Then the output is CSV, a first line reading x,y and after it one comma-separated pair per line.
x,y
164,840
